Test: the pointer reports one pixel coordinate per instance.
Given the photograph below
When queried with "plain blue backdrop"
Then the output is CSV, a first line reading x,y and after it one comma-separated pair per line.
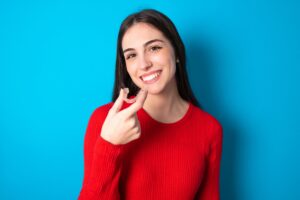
x,y
57,65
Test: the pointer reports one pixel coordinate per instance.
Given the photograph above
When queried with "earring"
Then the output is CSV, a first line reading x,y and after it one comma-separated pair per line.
x,y
177,60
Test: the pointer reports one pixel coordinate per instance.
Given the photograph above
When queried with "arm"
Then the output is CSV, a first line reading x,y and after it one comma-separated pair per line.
x,y
209,189
101,162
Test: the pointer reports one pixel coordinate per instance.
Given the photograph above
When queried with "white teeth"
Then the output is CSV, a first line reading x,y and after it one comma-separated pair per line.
x,y
150,77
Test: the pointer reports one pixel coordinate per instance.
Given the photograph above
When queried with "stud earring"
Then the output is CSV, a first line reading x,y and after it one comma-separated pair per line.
x,y
177,60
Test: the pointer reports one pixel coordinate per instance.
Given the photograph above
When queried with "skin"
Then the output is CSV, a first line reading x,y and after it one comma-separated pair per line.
x,y
163,101
121,127
145,49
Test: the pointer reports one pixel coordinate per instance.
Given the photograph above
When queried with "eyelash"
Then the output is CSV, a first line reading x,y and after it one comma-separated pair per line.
x,y
153,48
156,48
129,56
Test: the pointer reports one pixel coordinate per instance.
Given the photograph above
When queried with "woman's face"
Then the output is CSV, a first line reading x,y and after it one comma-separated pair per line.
x,y
149,58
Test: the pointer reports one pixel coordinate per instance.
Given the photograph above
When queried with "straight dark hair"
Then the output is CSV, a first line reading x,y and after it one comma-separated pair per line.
x,y
166,26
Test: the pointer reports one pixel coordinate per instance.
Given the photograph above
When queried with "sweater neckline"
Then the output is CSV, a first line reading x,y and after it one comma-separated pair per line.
x,y
176,123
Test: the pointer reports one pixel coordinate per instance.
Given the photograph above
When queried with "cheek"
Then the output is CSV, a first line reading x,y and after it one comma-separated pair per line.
x,y
160,58
172,66
172,69
165,58
132,70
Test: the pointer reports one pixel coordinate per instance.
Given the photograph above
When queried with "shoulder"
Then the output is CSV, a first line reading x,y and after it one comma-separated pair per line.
x,y
95,121
205,117
97,117
102,110
209,122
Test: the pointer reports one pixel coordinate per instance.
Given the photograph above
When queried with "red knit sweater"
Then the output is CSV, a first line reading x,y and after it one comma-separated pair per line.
x,y
174,161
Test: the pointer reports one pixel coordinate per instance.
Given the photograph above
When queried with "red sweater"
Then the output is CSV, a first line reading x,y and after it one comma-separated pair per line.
x,y
175,161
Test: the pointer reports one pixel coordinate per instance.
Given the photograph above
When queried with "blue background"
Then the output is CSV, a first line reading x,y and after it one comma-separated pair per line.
x,y
57,65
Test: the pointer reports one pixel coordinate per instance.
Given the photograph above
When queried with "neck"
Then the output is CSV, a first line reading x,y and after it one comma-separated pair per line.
x,y
166,103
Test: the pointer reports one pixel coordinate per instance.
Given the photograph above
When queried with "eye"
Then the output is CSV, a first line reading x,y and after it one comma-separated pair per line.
x,y
155,48
129,56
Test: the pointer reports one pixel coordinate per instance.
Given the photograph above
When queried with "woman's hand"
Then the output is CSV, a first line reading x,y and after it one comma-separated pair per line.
x,y
121,127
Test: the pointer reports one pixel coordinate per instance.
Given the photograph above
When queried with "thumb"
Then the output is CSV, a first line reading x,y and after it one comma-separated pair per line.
x,y
138,104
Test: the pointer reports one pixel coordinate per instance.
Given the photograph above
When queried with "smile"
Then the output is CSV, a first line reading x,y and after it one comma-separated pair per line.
x,y
151,78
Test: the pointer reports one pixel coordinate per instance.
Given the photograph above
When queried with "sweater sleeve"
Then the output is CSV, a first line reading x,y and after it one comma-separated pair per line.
x,y
101,162
209,189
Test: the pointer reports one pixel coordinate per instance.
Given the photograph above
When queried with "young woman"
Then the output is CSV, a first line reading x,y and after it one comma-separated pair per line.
x,y
152,141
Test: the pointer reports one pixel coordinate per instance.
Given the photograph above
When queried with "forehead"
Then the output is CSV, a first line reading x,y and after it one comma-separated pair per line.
x,y
139,34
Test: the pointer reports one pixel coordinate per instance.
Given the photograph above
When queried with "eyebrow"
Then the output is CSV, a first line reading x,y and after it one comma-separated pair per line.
x,y
147,43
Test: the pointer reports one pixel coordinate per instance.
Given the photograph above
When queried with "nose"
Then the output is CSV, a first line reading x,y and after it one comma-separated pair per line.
x,y
145,62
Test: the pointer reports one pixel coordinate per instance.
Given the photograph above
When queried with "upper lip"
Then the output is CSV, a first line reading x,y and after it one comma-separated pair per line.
x,y
153,72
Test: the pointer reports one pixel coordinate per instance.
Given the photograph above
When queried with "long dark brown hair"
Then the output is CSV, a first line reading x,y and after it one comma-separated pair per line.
x,y
166,26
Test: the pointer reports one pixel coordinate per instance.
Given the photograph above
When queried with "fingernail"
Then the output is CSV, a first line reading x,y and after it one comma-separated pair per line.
x,y
126,90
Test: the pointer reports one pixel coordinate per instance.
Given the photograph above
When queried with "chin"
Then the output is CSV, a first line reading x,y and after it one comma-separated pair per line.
x,y
155,90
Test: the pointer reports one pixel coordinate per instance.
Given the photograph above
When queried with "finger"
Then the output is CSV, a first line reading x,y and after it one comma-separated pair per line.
x,y
118,103
138,104
130,100
126,91
135,136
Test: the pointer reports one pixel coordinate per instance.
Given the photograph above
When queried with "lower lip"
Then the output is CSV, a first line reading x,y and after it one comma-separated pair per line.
x,y
153,80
